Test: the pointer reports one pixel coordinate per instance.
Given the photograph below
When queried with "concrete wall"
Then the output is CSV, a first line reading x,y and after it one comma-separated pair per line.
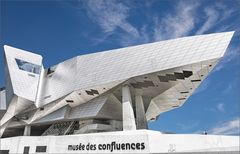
x,y
146,141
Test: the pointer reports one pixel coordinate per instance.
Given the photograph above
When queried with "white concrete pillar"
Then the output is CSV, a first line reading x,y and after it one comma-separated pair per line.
x,y
140,113
128,114
27,130
40,88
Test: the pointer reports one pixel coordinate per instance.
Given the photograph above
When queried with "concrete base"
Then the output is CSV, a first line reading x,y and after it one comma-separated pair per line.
x,y
138,141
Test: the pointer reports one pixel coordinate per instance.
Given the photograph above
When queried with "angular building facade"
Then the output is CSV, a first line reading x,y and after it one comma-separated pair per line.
x,y
115,90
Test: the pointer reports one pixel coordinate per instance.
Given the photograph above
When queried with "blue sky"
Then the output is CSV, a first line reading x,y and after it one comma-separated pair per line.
x,y
59,30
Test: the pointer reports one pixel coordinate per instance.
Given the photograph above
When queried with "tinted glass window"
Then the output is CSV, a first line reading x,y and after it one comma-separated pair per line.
x,y
41,149
26,150
29,67
4,151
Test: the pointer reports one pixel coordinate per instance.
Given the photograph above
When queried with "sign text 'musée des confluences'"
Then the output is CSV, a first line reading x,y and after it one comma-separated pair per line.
x,y
113,146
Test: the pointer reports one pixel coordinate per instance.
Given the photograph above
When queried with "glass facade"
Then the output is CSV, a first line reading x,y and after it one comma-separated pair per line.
x,y
27,66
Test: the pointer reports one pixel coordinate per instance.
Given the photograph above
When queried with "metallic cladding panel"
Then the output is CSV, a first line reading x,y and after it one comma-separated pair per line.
x,y
124,63
112,109
9,87
175,96
89,76
3,105
88,71
87,110
61,82
24,83
54,116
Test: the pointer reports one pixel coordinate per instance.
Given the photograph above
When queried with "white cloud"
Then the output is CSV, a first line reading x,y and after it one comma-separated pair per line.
x,y
113,18
176,24
111,15
186,127
233,52
212,16
228,89
220,107
127,40
215,15
227,128
185,18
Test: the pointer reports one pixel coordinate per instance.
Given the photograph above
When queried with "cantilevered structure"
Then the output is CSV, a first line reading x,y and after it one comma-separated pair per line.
x,y
116,91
